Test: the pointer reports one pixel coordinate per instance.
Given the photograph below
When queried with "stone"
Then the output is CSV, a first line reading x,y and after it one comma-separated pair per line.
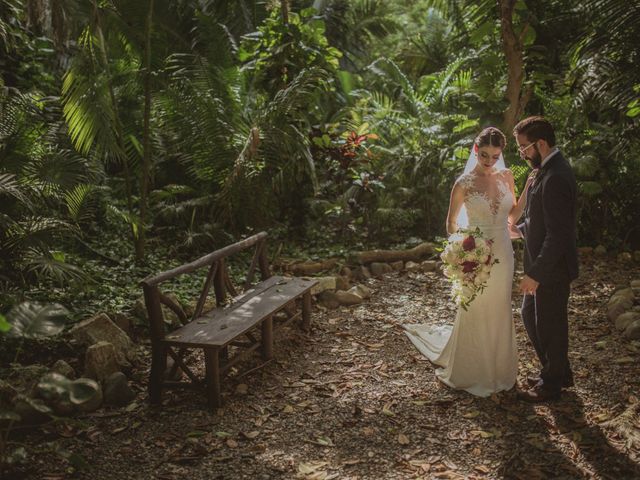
x,y
429,266
363,291
350,297
600,250
398,266
620,302
117,390
636,256
378,269
346,272
585,251
625,319
625,257
63,368
329,299
101,360
412,267
362,273
100,328
324,283
632,331
124,322
95,399
614,310
177,375
343,283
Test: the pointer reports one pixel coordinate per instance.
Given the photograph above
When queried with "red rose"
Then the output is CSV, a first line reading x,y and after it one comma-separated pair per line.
x,y
468,267
488,260
469,243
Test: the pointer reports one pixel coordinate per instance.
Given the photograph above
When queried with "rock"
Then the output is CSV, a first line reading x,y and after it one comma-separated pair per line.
x,y
364,292
412,267
346,272
100,328
585,251
398,266
625,257
93,395
378,269
636,255
101,360
117,390
614,310
124,322
343,283
429,266
329,299
620,302
625,319
622,294
324,283
635,287
600,250
63,368
362,273
177,375
350,297
632,331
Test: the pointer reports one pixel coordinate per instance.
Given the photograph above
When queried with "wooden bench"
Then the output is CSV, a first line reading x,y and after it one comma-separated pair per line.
x,y
229,324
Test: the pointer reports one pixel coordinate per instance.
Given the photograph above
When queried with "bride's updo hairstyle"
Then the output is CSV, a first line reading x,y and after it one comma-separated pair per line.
x,y
491,137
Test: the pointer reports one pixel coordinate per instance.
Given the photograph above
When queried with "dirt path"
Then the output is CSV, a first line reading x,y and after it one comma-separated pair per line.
x,y
355,400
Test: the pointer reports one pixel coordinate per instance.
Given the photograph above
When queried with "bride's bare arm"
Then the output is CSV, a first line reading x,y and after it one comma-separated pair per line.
x,y
518,207
455,204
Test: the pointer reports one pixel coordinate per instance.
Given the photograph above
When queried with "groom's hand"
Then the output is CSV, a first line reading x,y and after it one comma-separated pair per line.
x,y
528,285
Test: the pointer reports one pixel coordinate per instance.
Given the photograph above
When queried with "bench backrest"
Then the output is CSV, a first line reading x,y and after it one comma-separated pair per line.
x,y
218,276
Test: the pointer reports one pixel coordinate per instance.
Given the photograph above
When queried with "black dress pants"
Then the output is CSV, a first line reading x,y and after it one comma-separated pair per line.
x,y
546,321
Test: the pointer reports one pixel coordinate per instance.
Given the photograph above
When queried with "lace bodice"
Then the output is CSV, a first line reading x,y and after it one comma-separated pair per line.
x,y
487,200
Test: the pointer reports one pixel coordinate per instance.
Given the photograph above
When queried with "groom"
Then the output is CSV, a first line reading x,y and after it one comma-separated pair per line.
x,y
551,258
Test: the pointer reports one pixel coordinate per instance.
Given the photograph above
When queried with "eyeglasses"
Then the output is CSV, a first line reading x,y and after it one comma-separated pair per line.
x,y
524,149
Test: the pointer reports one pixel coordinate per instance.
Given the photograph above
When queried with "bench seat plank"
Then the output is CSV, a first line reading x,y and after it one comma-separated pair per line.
x,y
220,326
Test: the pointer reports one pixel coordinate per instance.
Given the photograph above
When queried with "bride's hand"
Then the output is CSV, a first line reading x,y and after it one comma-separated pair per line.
x,y
514,232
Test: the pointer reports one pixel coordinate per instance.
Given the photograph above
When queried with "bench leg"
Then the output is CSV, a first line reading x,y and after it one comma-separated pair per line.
x,y
306,311
156,375
267,338
212,367
224,356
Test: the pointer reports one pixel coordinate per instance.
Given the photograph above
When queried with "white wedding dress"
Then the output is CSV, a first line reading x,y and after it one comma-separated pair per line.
x,y
478,353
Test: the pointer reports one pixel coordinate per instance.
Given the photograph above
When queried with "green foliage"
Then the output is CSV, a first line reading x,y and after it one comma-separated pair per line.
x,y
35,320
279,51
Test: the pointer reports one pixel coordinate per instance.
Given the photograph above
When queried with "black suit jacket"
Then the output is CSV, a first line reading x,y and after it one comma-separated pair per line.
x,y
549,226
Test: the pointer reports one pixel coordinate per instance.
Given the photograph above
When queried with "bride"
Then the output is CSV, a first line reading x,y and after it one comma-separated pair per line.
x,y
478,353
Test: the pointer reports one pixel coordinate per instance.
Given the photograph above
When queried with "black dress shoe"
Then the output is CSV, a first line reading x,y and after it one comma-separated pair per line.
x,y
539,394
533,381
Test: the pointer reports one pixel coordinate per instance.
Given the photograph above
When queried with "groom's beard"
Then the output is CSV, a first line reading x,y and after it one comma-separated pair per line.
x,y
535,160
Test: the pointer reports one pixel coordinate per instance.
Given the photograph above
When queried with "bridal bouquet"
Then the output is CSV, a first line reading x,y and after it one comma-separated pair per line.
x,y
468,262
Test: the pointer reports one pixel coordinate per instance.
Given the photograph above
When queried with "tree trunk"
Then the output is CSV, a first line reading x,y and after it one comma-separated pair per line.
x,y
512,46
118,126
284,6
146,158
